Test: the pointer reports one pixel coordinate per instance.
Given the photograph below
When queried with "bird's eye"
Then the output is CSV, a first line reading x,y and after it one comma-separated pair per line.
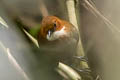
x,y
54,24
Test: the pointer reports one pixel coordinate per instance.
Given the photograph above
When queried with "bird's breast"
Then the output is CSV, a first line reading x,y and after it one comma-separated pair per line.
x,y
59,47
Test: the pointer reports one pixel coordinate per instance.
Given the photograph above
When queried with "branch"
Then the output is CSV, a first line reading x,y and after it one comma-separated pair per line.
x,y
73,19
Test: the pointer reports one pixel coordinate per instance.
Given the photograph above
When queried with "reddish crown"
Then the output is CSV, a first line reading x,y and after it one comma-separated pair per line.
x,y
48,23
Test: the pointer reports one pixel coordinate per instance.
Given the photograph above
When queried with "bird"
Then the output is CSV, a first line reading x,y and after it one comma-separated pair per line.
x,y
58,40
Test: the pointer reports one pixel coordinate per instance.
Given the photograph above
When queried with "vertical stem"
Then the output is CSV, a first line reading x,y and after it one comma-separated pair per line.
x,y
71,12
73,19
43,8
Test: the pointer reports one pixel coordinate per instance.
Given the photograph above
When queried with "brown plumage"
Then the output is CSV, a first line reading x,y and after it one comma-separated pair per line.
x,y
58,39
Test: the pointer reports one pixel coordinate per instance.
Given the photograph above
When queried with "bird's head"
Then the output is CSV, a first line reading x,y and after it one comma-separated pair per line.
x,y
53,28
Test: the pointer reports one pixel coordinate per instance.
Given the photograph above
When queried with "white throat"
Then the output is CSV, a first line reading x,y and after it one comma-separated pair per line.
x,y
56,34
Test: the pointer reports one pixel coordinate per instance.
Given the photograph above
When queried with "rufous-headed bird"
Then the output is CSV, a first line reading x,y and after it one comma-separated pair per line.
x,y
58,39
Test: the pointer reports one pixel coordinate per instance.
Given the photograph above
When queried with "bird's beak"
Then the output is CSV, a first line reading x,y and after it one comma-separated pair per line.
x,y
49,33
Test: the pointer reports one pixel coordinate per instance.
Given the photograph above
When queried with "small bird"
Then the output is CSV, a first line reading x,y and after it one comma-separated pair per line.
x,y
58,39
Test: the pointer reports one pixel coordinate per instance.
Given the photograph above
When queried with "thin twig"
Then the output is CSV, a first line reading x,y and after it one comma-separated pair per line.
x,y
3,22
14,62
73,19
93,9
31,38
43,8
69,71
